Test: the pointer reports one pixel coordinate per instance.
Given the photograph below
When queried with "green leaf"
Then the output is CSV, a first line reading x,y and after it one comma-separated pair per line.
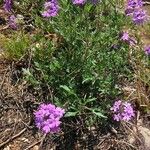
x,y
98,113
26,72
89,100
71,114
87,80
67,89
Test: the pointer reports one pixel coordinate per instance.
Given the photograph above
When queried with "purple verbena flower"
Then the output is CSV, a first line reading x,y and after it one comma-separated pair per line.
x,y
47,118
139,16
122,111
8,5
134,9
147,50
78,2
134,4
12,22
51,9
126,38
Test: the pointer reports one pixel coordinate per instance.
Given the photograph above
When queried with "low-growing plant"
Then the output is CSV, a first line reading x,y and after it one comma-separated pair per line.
x,y
84,70
17,46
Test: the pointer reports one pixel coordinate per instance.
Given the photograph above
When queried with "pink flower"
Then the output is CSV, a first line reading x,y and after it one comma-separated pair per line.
x,y
50,9
126,38
122,111
47,118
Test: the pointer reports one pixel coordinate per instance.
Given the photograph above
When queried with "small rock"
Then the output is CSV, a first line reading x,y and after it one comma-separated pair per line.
x,y
25,140
7,148
35,147
146,135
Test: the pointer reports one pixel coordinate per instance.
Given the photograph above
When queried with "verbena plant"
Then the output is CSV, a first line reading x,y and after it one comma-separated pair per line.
x,y
84,68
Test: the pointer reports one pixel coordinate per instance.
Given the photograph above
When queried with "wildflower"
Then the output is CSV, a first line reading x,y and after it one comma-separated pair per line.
x,y
126,38
50,9
122,111
139,16
79,2
134,9
47,118
8,5
147,50
12,22
132,5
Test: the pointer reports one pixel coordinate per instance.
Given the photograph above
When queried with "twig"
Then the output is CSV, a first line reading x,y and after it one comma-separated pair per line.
x,y
28,126
28,148
136,136
3,80
40,141
124,142
146,3
12,138
3,28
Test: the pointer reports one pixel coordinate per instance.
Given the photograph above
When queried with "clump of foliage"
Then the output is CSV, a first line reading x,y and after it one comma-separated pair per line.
x,y
81,65
17,46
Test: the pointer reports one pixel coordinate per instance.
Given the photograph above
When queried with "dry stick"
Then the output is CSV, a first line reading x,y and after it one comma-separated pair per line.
x,y
124,142
12,138
40,141
3,80
146,3
4,76
6,27
28,148
133,133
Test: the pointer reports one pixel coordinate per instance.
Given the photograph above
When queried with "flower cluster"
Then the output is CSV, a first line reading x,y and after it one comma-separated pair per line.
x,y
7,5
47,118
147,50
134,9
126,38
51,9
122,111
